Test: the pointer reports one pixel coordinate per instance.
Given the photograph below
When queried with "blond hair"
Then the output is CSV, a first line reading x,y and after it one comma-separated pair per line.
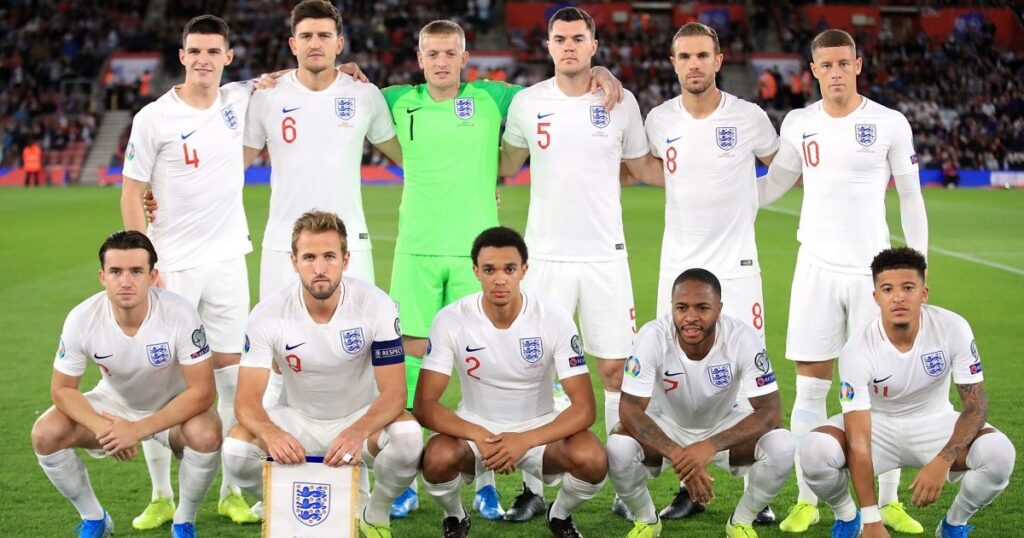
x,y
443,28
319,222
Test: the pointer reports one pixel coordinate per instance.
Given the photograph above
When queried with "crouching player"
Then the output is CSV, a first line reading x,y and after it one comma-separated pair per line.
x,y
507,346
694,363
338,344
894,391
156,384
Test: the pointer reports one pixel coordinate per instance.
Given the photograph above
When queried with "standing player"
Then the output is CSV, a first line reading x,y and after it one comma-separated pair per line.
x,y
894,390
847,147
449,132
314,122
187,147
336,340
695,362
156,384
574,227
507,347
707,142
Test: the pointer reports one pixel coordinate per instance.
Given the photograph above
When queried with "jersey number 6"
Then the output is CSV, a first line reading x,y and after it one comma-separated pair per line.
x,y
288,132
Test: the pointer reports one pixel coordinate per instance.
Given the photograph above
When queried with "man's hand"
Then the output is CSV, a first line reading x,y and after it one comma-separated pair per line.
x,y
120,434
347,448
151,206
126,454
700,486
927,485
675,456
603,80
509,448
353,71
874,530
284,448
268,81
695,457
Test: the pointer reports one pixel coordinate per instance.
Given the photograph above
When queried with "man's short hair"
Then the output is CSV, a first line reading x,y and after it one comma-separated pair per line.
x,y
128,240
700,275
572,14
319,222
315,9
499,237
441,28
898,258
207,24
692,29
833,38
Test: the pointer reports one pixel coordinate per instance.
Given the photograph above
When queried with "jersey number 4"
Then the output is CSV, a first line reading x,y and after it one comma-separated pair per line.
x,y
190,159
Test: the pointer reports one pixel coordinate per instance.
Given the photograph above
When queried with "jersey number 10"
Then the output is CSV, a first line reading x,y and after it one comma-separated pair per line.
x,y
811,156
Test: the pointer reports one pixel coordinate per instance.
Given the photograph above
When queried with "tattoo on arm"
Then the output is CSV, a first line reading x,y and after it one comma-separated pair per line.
x,y
971,421
643,428
766,417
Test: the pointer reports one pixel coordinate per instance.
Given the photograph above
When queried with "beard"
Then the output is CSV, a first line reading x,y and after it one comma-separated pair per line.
x,y
322,294
700,89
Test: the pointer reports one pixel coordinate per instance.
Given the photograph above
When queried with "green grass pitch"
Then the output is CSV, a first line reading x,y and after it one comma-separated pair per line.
x,y
49,240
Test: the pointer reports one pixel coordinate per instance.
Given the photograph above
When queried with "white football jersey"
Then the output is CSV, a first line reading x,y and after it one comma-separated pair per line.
x,y
192,160
875,375
576,147
505,375
143,371
710,184
315,139
698,395
846,164
327,368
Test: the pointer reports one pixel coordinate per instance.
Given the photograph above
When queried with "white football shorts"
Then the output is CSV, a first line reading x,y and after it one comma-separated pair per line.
x,y
220,292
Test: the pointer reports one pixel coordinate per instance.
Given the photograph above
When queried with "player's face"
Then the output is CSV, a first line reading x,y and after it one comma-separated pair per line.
x,y
204,58
126,275
499,270
442,58
695,311
900,294
836,69
695,63
571,46
316,44
320,259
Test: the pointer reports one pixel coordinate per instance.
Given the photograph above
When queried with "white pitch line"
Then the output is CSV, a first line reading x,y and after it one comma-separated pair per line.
x,y
932,248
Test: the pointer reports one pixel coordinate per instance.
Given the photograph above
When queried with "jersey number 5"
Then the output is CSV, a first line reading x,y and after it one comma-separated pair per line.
x,y
193,159
545,139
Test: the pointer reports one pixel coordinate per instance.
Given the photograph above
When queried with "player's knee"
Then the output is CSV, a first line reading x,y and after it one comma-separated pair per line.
x,y
404,445
239,432
440,458
993,454
587,457
820,455
777,447
46,436
204,437
623,451
611,374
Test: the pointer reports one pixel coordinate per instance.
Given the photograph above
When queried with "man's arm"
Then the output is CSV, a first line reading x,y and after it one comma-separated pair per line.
x,y
248,154
636,421
646,170
386,407
69,400
391,149
913,216
251,415
928,483
767,159
858,442
512,159
133,214
766,417
603,79
197,397
432,415
775,184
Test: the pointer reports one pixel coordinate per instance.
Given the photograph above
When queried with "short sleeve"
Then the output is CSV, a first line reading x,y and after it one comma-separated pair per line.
x,y
141,154
855,369
501,92
755,367
965,358
567,350
191,346
71,354
386,347
902,157
514,133
640,373
258,350
441,345
788,157
393,93
766,140
634,138
255,129
381,128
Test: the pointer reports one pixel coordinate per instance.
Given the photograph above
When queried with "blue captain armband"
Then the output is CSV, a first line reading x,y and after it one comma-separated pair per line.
x,y
390,352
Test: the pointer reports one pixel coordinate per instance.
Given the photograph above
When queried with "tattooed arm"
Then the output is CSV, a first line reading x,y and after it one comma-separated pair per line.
x,y
929,481
639,425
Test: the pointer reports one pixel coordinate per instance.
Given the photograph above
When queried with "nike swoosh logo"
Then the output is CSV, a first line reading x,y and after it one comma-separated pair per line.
x,y
184,136
542,116
670,140
98,357
411,110
806,136
285,110
877,381
673,374
472,349
289,348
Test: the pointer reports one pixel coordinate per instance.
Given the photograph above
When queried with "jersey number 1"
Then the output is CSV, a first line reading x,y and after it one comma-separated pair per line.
x,y
193,159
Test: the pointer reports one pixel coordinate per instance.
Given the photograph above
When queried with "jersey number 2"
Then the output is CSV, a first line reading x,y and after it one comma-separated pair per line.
x,y
476,364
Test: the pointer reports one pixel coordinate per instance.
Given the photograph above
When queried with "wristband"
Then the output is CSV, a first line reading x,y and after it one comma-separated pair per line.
x,y
870,514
